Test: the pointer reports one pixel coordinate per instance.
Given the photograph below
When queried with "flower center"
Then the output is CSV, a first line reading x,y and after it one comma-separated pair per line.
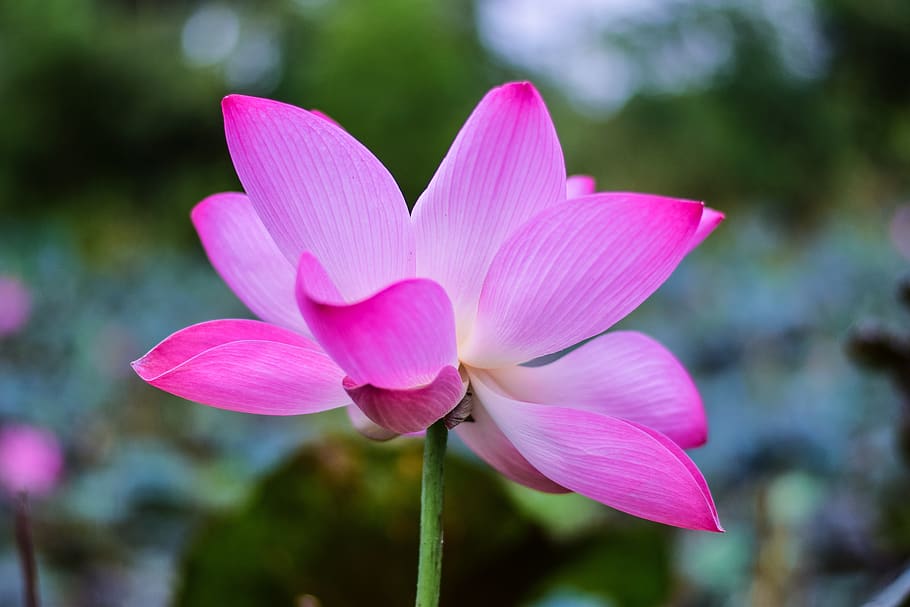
x,y
462,411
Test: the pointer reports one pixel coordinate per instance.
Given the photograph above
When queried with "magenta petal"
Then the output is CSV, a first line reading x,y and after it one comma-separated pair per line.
x,y
246,257
616,462
710,219
573,271
622,374
483,437
245,365
318,189
578,186
409,410
504,167
399,338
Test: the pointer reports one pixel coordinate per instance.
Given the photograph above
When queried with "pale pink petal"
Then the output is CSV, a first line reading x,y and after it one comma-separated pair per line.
x,y
619,463
578,186
575,270
710,219
623,374
318,189
245,365
246,257
367,427
484,438
504,167
399,338
409,410
31,460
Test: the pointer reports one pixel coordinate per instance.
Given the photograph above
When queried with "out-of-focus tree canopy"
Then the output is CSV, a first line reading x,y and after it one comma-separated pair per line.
x,y
104,108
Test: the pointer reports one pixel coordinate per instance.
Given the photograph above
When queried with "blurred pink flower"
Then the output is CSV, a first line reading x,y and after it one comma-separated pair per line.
x,y
15,304
30,460
900,230
399,315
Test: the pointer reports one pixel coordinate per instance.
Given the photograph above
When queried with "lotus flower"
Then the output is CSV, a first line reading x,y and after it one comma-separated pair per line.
x,y
396,316
30,460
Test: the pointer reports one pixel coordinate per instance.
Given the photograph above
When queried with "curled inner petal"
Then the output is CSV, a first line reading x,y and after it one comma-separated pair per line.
x,y
397,346
409,410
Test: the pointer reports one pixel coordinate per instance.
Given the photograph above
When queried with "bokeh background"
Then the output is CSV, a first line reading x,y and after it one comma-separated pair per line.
x,y
792,116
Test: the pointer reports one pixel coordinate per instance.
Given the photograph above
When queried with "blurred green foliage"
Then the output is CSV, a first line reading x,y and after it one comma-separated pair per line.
x,y
109,116
338,521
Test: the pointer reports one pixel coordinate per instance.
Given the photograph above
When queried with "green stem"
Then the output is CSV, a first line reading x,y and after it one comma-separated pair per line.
x,y
26,552
429,567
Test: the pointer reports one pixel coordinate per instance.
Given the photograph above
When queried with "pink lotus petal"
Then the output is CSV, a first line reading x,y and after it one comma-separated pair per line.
x,y
710,219
578,186
504,167
409,410
325,116
31,460
619,463
247,366
367,427
582,185
318,189
575,270
246,257
623,374
483,437
399,338
15,305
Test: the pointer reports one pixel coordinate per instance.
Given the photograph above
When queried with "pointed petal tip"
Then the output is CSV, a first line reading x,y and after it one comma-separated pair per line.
x,y
204,205
520,86
235,103
522,90
246,366
200,208
616,462
711,525
228,102
141,369
711,520
637,241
